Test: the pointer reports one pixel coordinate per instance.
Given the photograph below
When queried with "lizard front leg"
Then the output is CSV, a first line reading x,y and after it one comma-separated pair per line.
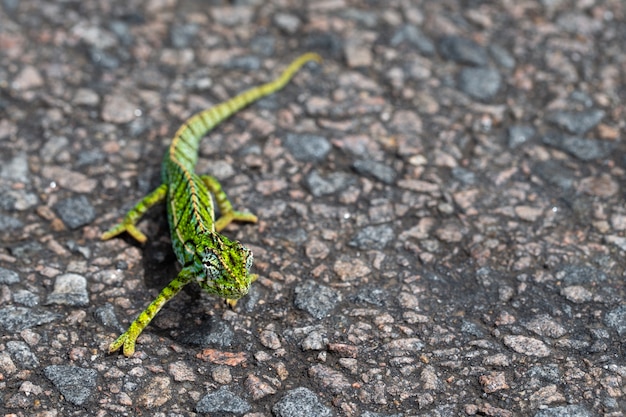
x,y
227,213
127,339
134,215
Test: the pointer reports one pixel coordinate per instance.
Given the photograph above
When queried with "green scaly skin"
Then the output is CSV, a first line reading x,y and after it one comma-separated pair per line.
x,y
219,265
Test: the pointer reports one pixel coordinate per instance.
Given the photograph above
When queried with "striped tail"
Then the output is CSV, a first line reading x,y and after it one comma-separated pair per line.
x,y
184,147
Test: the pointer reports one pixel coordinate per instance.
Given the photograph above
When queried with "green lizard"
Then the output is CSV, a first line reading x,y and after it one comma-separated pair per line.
x,y
219,265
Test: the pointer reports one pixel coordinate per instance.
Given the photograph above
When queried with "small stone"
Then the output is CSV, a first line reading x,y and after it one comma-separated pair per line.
x,y
156,393
373,237
214,332
357,53
527,346
329,379
270,339
69,289
564,411
603,186
578,122
529,214
222,401
581,148
9,223
616,319
412,35
380,171
73,382
289,23
330,184
15,319
493,382
21,353
258,388
520,134
16,169
480,83
8,277
502,56
75,211
25,298
222,375
572,274
181,371
463,51
118,109
307,147
300,402
28,78
314,341
544,325
577,294
316,299
105,315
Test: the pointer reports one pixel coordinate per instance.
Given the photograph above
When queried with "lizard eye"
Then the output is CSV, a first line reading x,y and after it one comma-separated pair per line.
x,y
211,264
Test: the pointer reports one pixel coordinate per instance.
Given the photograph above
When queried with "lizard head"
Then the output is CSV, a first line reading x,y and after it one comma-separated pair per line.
x,y
225,268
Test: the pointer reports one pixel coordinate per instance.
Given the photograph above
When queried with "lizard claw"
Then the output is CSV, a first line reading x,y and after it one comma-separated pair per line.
x,y
128,343
125,227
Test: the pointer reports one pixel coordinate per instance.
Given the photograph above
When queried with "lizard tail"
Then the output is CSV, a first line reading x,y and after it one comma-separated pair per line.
x,y
184,147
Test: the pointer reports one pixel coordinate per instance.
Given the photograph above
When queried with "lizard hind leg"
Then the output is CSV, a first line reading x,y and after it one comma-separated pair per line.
x,y
227,213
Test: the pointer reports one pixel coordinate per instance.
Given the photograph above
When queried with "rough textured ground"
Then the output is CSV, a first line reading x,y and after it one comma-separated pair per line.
x,y
442,223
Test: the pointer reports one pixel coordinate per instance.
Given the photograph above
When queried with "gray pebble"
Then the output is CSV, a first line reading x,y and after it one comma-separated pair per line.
x,y
463,51
103,59
324,41
9,223
307,147
214,332
413,35
576,122
8,277
182,35
480,83
330,184
75,211
263,45
313,341
17,199
555,173
548,373
581,148
571,274
373,237
15,319
222,401
467,177
564,411
372,414
105,315
247,63
371,295
382,172
27,250
520,134
288,23
300,402
616,319
73,382
26,298
21,353
16,169
316,299
90,157
52,147
69,289
502,56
